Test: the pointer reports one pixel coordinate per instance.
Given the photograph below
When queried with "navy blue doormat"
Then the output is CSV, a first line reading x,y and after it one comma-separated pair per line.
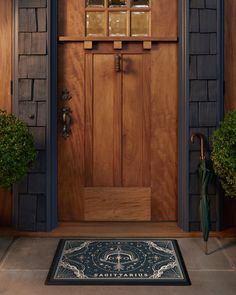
x,y
118,261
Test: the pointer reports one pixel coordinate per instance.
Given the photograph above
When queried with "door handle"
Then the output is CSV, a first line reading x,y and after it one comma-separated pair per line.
x,y
66,121
118,62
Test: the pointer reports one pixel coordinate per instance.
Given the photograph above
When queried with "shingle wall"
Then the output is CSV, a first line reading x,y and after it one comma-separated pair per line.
x,y
31,106
204,84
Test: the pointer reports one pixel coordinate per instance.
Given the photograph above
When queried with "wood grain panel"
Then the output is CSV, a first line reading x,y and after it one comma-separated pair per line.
x,y
135,98
146,95
71,150
230,55
164,108
117,204
71,17
117,129
165,19
5,95
103,119
5,55
89,120
230,88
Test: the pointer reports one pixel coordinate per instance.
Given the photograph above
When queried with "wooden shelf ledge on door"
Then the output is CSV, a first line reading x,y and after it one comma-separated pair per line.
x,y
118,45
74,38
117,42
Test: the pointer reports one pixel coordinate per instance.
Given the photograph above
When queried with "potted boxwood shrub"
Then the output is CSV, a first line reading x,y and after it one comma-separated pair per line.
x,y
17,150
224,154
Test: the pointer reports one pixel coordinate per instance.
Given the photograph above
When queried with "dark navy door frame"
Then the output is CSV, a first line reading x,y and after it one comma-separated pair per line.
x,y
183,135
183,116
52,169
183,113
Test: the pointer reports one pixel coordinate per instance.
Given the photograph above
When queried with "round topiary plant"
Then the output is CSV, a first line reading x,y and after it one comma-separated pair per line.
x,y
224,154
17,149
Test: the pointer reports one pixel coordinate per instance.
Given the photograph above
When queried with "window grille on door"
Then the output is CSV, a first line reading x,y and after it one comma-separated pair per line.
x,y
118,18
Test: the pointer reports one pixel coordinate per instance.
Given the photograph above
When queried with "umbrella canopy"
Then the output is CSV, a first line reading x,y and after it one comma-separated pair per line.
x,y
205,176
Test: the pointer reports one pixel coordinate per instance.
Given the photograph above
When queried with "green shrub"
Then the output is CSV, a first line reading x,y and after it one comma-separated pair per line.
x,y
224,154
17,150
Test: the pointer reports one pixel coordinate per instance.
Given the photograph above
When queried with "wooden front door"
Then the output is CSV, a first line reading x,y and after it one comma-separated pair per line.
x,y
117,110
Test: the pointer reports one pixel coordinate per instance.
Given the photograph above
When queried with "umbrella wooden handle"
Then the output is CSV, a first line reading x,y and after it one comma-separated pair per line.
x,y
201,138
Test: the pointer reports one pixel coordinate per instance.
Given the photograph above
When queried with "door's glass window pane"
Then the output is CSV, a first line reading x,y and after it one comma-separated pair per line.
x,y
140,3
140,23
118,23
95,3
117,3
95,24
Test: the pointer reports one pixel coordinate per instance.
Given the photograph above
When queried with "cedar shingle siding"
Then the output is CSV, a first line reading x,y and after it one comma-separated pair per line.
x,y
32,108
204,82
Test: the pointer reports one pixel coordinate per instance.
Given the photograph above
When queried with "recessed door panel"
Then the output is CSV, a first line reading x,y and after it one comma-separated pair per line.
x,y
115,118
120,132
136,120
104,96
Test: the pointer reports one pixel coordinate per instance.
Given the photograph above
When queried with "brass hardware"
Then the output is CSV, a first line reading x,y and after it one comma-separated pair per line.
x,y
118,62
66,114
201,138
67,121
66,95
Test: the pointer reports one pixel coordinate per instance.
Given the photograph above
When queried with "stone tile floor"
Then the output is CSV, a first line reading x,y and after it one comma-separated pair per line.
x,y
24,264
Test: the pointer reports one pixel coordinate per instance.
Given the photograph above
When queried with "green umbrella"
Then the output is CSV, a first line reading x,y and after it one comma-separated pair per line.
x,y
205,176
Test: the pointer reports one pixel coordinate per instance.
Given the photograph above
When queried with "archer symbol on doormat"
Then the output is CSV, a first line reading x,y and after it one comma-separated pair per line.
x,y
118,262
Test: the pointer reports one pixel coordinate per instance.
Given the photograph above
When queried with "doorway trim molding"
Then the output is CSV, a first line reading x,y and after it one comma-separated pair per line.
x,y
183,116
52,168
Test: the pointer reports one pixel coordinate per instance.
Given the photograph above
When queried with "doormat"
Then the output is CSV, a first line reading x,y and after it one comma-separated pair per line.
x,y
118,261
